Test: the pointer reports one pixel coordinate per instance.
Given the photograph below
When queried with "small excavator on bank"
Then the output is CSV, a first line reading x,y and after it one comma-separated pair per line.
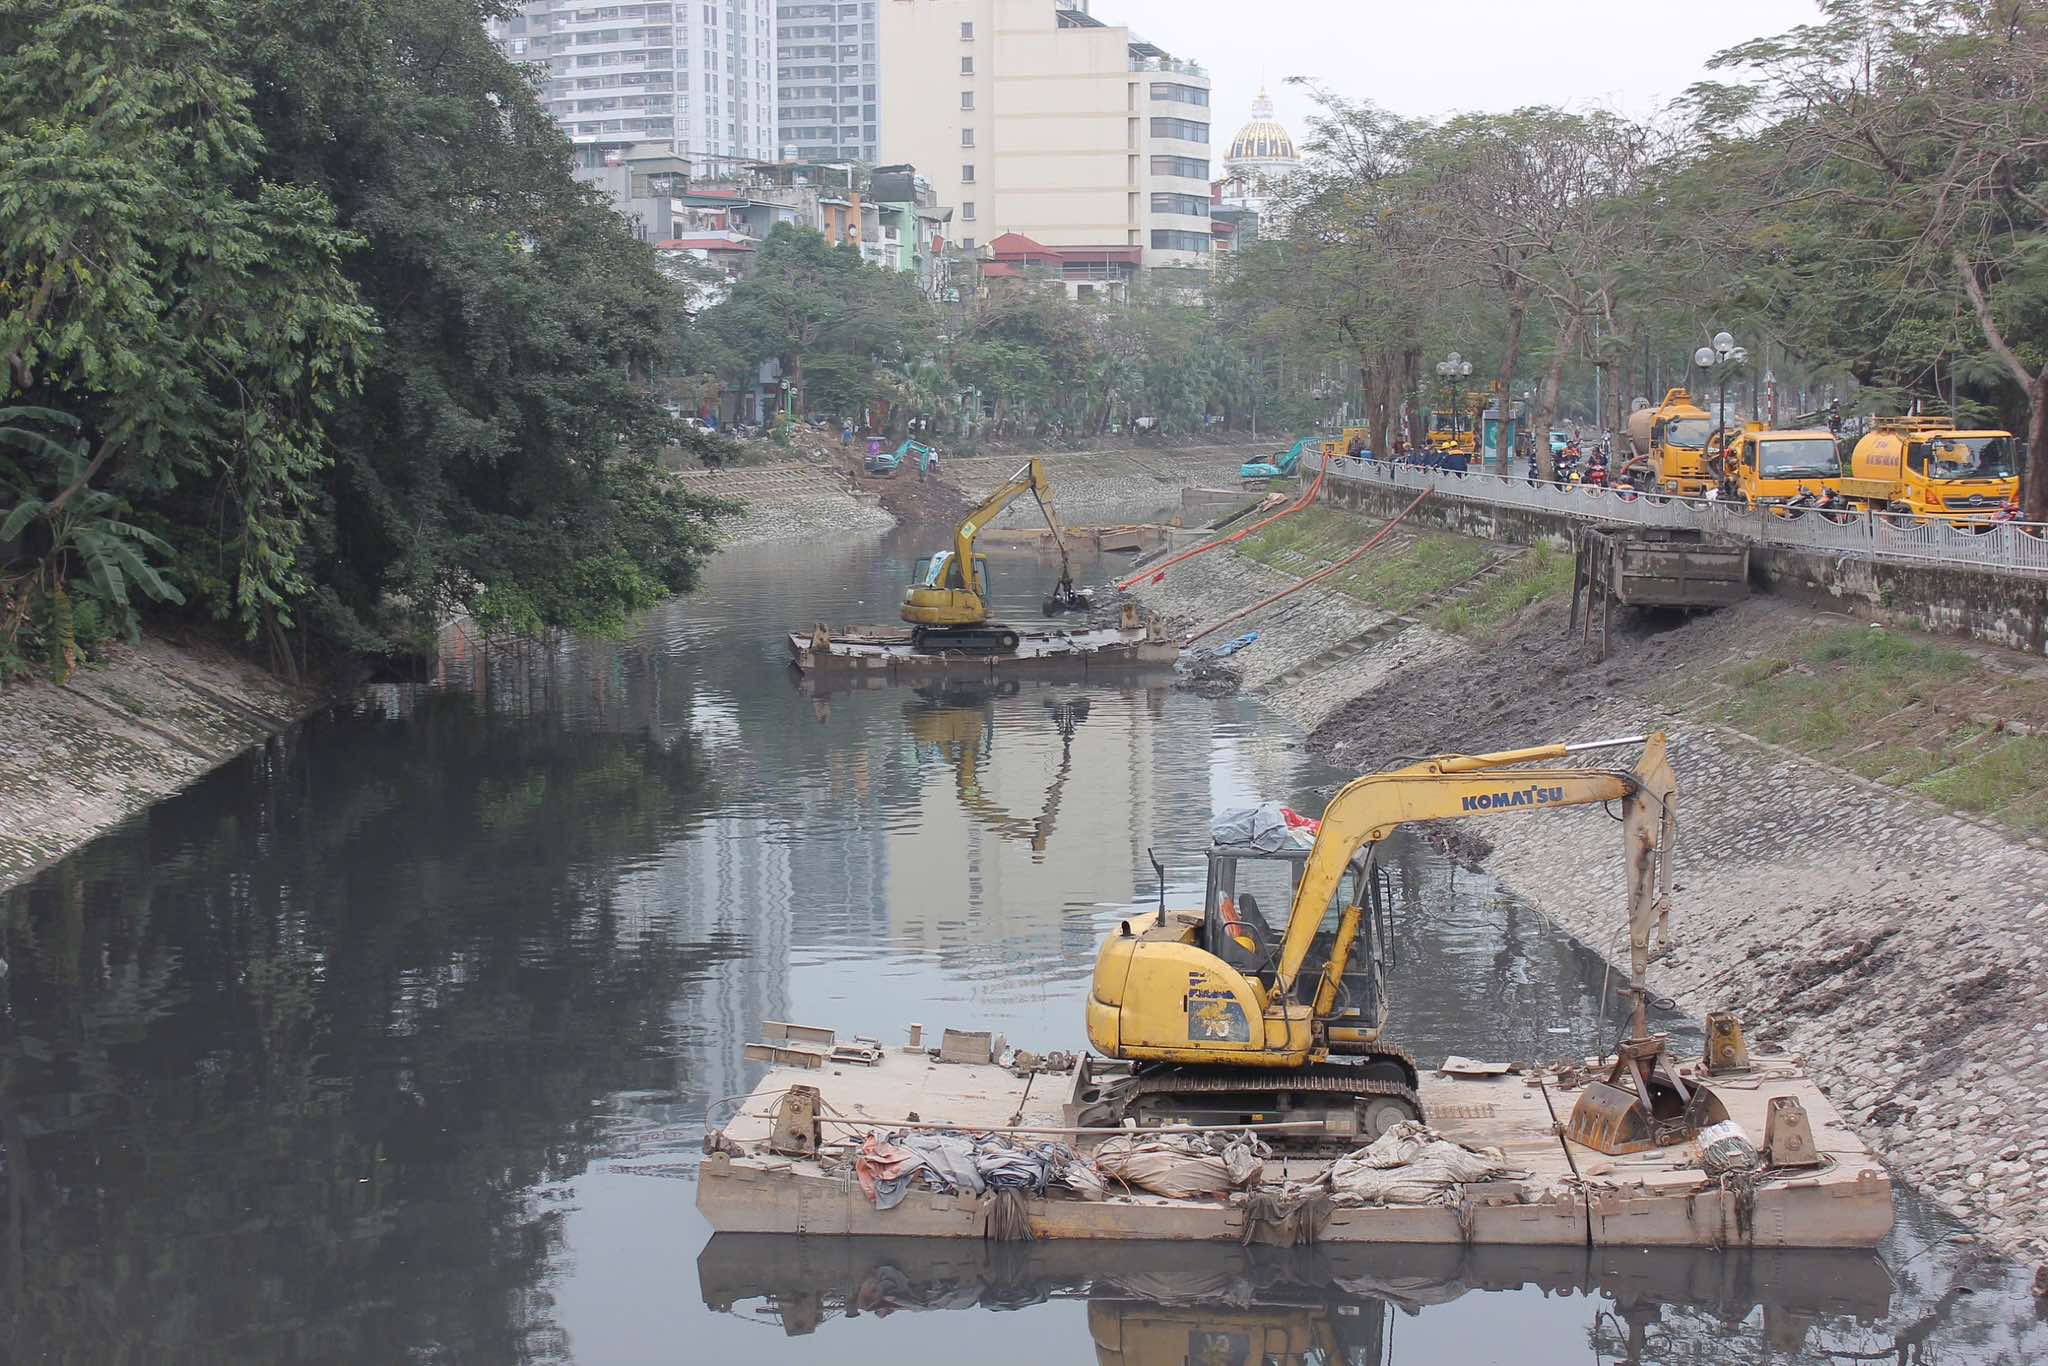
x,y
1219,1019
946,603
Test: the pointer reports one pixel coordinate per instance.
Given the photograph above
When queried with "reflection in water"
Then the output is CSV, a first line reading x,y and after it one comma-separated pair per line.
x,y
1151,1304
377,1045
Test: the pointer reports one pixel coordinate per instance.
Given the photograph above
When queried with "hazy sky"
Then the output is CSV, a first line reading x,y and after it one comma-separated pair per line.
x,y
1435,57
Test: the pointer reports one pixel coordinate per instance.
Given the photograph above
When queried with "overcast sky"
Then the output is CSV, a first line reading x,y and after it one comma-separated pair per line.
x,y
1437,57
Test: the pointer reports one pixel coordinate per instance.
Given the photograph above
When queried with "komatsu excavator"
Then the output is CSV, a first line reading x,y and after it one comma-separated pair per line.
x,y
1223,1020
947,601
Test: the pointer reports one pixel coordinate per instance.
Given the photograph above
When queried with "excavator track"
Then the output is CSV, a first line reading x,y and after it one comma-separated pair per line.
x,y
1360,1104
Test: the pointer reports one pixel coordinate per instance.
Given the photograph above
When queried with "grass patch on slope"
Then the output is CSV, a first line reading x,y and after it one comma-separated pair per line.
x,y
1393,576
1540,573
1901,710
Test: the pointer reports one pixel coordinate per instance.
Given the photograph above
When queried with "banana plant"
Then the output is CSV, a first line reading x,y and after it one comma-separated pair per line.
x,y
86,532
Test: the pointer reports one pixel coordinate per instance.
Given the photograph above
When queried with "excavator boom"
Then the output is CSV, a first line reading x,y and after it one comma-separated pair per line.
x,y
1367,809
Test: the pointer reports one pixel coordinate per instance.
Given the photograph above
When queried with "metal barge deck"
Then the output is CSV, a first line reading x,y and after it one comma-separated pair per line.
x,y
887,652
1572,1195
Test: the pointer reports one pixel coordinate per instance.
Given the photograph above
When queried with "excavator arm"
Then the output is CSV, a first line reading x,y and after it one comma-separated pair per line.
x,y
1030,478
1366,811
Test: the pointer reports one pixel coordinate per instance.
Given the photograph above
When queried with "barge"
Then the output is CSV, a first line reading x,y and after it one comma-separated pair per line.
x,y
1131,643
1558,1193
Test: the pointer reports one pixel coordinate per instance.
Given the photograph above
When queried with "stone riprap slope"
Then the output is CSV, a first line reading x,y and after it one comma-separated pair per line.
x,y
78,758
1895,945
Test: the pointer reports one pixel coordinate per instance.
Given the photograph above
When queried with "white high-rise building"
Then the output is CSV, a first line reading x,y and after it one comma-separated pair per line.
x,y
827,74
697,78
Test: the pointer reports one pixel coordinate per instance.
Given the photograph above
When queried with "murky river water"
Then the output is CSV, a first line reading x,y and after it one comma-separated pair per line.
x,y
394,1043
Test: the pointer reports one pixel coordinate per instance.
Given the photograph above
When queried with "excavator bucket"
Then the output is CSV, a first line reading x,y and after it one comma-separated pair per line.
x,y
1641,1106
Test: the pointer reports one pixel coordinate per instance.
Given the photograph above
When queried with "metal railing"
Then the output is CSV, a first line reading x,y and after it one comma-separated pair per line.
x,y
2007,547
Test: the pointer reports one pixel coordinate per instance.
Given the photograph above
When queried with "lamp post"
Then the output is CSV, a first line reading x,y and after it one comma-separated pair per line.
x,y
1724,355
1451,369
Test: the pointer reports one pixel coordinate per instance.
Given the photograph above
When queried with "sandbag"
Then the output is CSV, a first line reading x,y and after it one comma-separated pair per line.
x,y
1184,1166
1412,1164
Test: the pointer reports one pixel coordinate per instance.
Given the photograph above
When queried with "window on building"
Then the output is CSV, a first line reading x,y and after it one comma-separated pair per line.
x,y
1180,94
1186,130
966,31
1188,168
967,209
1169,239
967,244
1180,203
966,63
966,173
967,99
966,137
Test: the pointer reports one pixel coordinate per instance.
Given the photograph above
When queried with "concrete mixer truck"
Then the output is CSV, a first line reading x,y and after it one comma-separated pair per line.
x,y
1668,444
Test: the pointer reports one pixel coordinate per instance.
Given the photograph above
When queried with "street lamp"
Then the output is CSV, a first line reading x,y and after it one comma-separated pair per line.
x,y
1724,355
1453,368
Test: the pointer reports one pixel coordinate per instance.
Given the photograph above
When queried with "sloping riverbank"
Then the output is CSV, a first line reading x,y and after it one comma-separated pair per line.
x,y
80,757
796,501
1861,866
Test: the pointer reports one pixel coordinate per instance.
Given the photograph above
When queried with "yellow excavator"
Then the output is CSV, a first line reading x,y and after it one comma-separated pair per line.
x,y
947,601
1220,1019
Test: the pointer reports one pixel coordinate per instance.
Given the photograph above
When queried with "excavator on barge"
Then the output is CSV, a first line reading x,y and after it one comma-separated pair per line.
x,y
946,604
1213,1017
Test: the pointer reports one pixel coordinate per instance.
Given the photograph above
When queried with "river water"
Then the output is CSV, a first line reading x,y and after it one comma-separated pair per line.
x,y
394,1042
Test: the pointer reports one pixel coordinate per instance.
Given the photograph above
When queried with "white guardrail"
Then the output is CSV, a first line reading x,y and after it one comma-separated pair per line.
x,y
2008,547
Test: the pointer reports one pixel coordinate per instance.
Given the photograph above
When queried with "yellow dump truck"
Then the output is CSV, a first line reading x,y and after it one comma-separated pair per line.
x,y
1762,467
1668,445
1924,466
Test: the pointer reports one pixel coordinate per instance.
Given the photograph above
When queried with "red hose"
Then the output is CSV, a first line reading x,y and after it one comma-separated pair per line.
x,y
1158,571
1322,573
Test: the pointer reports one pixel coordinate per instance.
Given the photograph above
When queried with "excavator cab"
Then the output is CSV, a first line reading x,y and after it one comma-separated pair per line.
x,y
1246,883
942,571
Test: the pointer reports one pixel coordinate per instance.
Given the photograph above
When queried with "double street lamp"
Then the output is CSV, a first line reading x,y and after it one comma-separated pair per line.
x,y
1451,369
1724,355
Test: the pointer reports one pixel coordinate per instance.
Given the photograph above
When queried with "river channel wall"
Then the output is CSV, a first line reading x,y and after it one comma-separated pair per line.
x,y
78,758
1896,944
2007,610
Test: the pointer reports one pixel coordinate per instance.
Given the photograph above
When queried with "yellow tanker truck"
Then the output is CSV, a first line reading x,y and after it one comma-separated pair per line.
x,y
1668,445
1924,466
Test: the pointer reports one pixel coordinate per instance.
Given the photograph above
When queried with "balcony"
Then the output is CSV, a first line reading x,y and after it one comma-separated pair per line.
x,y
1173,64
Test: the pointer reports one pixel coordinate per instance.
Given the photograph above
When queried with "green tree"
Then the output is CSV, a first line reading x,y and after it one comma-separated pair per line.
x,y
501,460
807,298
1900,149
191,311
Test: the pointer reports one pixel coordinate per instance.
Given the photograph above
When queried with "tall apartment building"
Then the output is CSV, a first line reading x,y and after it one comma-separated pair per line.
x,y
1034,117
828,75
697,78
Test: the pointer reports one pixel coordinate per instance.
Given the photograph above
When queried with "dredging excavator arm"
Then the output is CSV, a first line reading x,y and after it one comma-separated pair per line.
x,y
1366,810
1030,478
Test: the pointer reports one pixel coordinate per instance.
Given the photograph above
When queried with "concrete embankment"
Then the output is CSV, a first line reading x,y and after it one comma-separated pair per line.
x,y
1861,868
81,757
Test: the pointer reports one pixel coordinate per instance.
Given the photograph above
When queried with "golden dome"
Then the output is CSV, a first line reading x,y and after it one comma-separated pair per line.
x,y
1261,139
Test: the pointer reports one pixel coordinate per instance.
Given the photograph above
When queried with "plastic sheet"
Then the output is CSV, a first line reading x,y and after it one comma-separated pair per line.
x,y
1261,827
957,1163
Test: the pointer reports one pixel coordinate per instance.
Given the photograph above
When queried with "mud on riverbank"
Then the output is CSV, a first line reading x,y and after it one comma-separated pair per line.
x,y
1877,903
